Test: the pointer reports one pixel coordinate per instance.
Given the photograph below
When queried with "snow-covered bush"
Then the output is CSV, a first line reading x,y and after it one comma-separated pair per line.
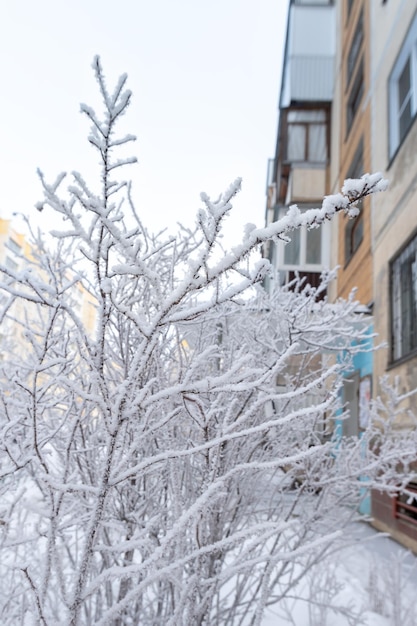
x,y
174,465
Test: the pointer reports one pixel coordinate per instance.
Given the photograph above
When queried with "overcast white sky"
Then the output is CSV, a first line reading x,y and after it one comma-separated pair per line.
x,y
205,79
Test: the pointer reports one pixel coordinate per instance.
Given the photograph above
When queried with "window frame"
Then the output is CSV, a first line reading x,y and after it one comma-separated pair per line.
x,y
407,52
307,125
302,233
398,351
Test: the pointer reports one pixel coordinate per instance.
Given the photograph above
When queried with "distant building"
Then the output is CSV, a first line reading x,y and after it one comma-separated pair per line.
x,y
16,254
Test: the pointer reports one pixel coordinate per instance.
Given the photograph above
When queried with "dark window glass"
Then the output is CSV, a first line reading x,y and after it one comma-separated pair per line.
x,y
355,96
355,48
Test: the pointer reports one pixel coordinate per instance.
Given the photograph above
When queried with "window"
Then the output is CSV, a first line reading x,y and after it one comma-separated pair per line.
x,y
403,272
307,136
402,91
355,97
404,100
305,250
354,226
354,50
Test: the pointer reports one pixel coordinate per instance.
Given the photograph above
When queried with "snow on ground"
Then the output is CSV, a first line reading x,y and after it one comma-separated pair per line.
x,y
374,578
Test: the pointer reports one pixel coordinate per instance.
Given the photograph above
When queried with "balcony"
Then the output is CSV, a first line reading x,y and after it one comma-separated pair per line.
x,y
308,73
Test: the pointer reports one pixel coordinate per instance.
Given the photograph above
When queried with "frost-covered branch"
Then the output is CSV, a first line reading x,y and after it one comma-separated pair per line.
x,y
167,449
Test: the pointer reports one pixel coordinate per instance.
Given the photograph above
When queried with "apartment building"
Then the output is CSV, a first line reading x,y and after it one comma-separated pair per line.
x,y
393,101
16,254
373,113
351,66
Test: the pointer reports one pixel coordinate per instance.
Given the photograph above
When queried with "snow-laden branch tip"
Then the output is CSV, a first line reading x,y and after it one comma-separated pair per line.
x,y
352,192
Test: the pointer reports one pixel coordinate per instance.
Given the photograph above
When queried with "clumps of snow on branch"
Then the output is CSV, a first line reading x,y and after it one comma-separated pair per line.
x,y
352,191
356,188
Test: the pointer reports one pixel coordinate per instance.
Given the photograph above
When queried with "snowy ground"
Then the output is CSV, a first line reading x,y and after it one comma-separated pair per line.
x,y
374,578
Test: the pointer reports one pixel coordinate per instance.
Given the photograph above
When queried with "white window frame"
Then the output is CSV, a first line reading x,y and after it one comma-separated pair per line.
x,y
303,266
408,51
